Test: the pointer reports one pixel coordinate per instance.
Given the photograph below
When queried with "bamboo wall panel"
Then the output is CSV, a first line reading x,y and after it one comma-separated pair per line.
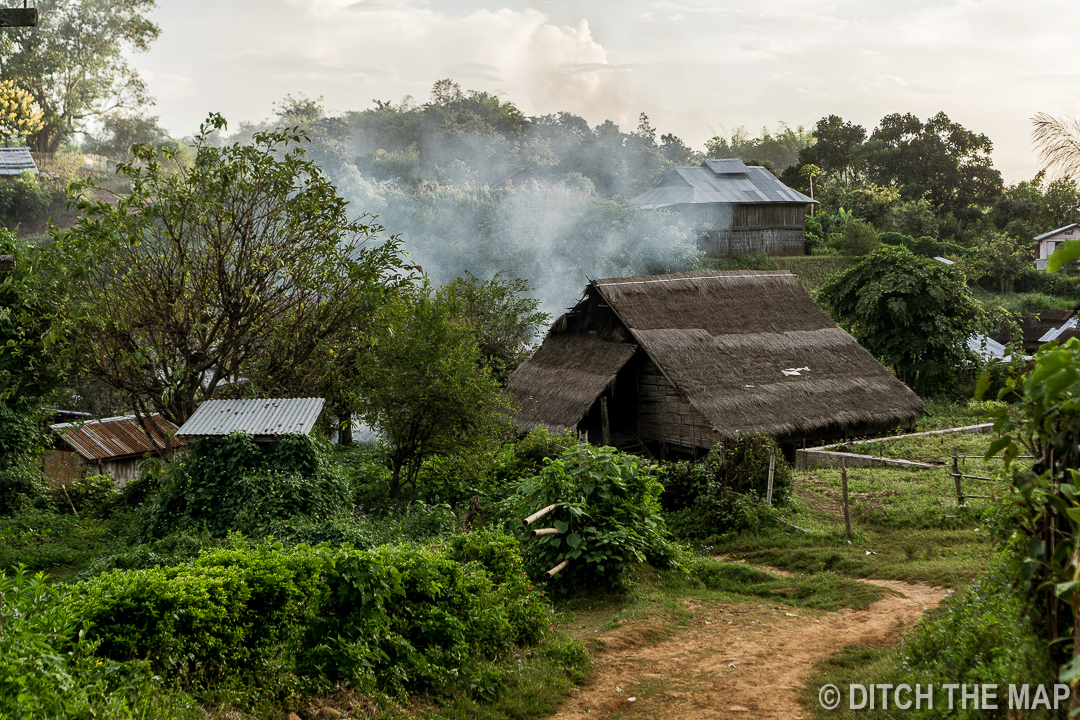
x,y
666,416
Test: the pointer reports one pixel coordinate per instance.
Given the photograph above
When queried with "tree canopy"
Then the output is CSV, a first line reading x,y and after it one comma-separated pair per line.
x,y
74,62
912,312
243,267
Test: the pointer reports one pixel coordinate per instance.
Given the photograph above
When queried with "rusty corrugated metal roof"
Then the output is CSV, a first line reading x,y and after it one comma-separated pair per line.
x,y
273,416
114,438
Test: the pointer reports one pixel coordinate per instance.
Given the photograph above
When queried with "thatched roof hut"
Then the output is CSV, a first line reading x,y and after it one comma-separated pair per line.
x,y
681,362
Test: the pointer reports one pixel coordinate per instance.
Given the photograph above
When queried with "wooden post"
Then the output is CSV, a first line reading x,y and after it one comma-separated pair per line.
x,y
557,569
605,425
956,477
539,514
843,489
772,470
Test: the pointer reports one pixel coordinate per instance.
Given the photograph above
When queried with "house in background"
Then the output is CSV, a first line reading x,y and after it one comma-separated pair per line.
x,y
674,364
112,446
1049,242
265,420
746,209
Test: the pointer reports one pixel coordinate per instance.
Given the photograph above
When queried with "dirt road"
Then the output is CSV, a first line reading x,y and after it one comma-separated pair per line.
x,y
734,661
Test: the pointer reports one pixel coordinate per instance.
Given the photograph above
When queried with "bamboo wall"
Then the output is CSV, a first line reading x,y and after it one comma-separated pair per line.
x,y
666,416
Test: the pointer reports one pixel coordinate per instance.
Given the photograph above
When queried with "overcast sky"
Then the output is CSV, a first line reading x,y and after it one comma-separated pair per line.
x,y
697,68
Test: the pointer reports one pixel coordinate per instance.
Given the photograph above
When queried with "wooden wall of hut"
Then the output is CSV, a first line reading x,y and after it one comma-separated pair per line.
x,y
753,242
665,416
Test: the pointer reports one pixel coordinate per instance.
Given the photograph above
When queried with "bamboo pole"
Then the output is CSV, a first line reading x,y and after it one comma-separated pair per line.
x,y
557,569
539,532
539,514
605,426
772,470
843,487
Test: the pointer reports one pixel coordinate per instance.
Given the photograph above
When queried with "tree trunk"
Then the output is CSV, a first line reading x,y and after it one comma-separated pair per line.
x,y
395,480
345,428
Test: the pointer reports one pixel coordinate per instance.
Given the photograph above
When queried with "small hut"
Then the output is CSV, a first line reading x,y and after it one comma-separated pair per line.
x,y
745,209
112,446
678,363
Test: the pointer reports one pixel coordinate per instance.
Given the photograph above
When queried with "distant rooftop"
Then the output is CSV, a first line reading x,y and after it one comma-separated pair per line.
x,y
116,437
15,161
259,418
719,181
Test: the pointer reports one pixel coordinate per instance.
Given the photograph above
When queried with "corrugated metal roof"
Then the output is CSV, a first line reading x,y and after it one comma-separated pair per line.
x,y
726,166
692,185
114,438
15,161
1055,232
274,416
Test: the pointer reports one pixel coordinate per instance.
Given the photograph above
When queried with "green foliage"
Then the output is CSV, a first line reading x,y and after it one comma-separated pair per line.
x,y
858,238
48,668
1045,424
506,323
20,480
233,484
724,492
247,259
925,245
424,386
607,514
24,198
998,258
912,312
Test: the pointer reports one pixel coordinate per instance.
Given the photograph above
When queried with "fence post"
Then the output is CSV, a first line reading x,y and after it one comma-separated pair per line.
x,y
956,477
772,470
843,487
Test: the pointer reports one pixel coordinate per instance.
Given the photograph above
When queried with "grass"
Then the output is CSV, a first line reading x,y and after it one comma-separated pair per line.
x,y
62,545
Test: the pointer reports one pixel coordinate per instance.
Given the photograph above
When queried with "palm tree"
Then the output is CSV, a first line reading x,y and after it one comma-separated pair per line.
x,y
1058,142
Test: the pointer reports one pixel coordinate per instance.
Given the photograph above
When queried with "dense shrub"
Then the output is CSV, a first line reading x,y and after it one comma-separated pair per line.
x,y
390,621
24,198
20,482
607,514
233,484
1032,280
48,668
724,492
925,245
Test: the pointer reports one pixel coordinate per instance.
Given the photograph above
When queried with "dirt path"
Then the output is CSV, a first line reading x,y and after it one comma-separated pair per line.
x,y
734,661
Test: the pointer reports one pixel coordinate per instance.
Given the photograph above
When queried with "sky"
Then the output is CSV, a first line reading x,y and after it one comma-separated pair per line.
x,y
696,68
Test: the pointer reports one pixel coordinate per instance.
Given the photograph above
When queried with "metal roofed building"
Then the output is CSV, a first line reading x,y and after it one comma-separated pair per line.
x,y
1051,241
265,420
16,161
111,446
746,208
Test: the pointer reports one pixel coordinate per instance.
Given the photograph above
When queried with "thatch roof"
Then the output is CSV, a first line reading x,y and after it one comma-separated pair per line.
x,y
750,350
558,384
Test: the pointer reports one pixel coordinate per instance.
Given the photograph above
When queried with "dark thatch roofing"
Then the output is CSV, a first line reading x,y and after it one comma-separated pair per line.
x,y
558,384
749,350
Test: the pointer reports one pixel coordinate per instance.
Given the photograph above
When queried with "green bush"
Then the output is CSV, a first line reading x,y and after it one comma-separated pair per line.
x,y
607,514
725,492
20,481
391,621
1058,284
24,198
233,484
48,668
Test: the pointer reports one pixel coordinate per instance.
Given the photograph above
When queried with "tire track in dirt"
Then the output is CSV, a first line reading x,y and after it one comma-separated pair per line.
x,y
734,660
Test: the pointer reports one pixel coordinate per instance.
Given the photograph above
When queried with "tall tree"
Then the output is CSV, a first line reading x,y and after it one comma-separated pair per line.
x,y
74,62
939,159
836,147
244,265
424,386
